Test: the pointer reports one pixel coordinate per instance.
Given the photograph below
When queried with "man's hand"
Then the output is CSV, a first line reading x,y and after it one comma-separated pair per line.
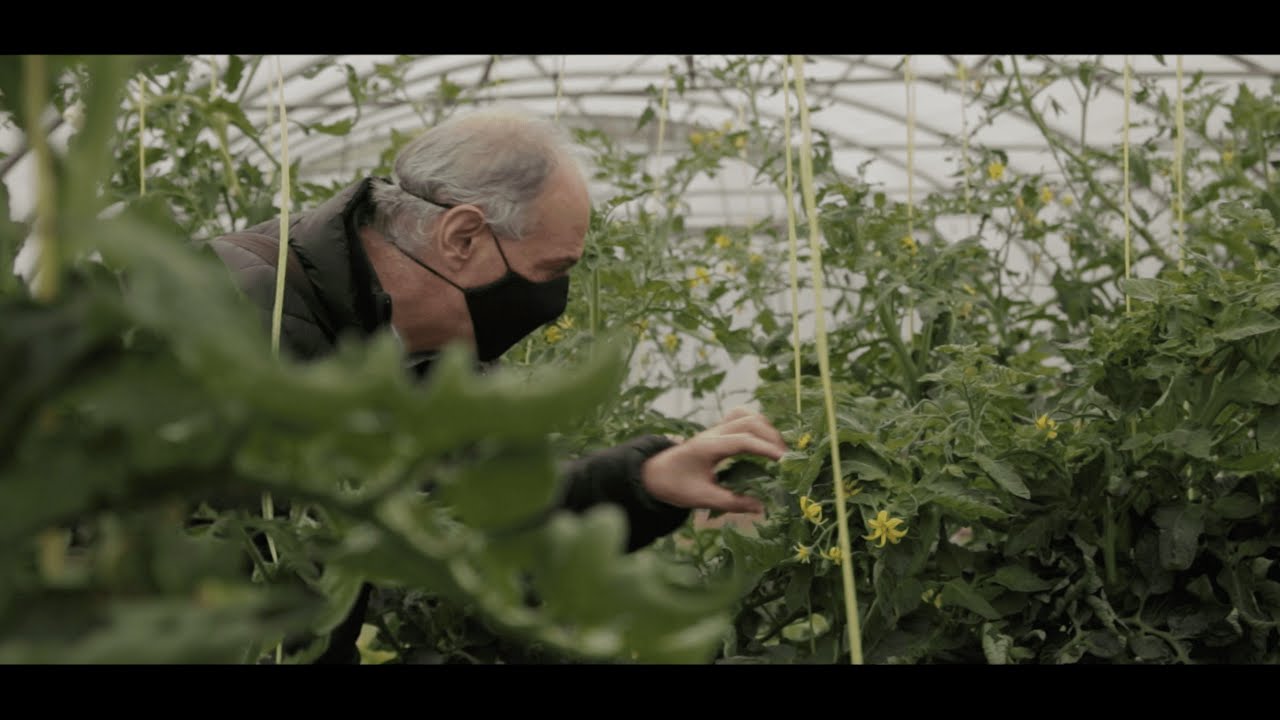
x,y
684,475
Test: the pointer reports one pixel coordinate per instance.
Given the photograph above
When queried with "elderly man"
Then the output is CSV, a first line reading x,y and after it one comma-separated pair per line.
x,y
473,243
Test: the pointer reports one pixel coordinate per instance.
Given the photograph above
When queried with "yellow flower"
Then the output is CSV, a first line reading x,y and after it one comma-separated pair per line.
x,y
1227,157
851,488
554,334
671,341
1048,426
811,510
832,554
740,141
723,241
1068,200
909,243
1046,195
804,441
969,289
995,170
702,276
932,595
696,138
756,258
802,553
565,322
885,528
727,126
965,311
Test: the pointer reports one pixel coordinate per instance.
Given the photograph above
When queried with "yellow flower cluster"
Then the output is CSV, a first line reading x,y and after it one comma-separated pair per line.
x,y
884,528
701,276
811,510
1047,426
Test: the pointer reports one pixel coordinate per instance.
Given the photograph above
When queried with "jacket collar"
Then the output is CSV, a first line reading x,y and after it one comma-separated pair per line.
x,y
327,242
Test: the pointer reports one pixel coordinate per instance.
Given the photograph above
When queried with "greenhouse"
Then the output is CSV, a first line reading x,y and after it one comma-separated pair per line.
x,y
640,359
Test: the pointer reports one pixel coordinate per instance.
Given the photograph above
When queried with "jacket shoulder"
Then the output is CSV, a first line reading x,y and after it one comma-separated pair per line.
x,y
256,274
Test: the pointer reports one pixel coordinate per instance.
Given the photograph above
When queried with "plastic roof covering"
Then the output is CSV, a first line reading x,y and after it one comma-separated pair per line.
x,y
863,102
863,108
862,98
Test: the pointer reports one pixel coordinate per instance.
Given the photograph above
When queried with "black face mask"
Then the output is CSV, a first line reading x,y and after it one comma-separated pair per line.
x,y
509,308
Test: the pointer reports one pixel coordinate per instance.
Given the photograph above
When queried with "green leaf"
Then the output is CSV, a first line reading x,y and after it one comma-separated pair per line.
x,y
802,630
959,592
1148,647
645,118
1020,579
1145,289
1180,529
1197,443
1248,323
68,629
965,503
342,127
1103,610
1141,171
995,645
510,487
1269,428
1004,476
1237,506
1035,534
235,71
1085,73
752,555
1252,463
1238,582
1104,644
342,589
862,463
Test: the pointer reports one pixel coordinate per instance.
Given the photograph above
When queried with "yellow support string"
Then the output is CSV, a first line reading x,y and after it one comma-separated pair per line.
x,y
285,201
142,128
911,185
1179,149
824,364
911,133
282,260
1128,271
791,232
963,74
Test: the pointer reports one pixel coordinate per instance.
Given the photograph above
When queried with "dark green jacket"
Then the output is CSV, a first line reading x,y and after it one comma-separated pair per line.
x,y
333,292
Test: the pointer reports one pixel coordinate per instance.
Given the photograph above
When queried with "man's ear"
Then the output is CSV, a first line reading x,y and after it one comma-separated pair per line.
x,y
457,231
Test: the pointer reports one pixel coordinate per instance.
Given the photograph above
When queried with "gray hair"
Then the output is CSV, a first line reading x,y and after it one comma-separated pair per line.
x,y
497,159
